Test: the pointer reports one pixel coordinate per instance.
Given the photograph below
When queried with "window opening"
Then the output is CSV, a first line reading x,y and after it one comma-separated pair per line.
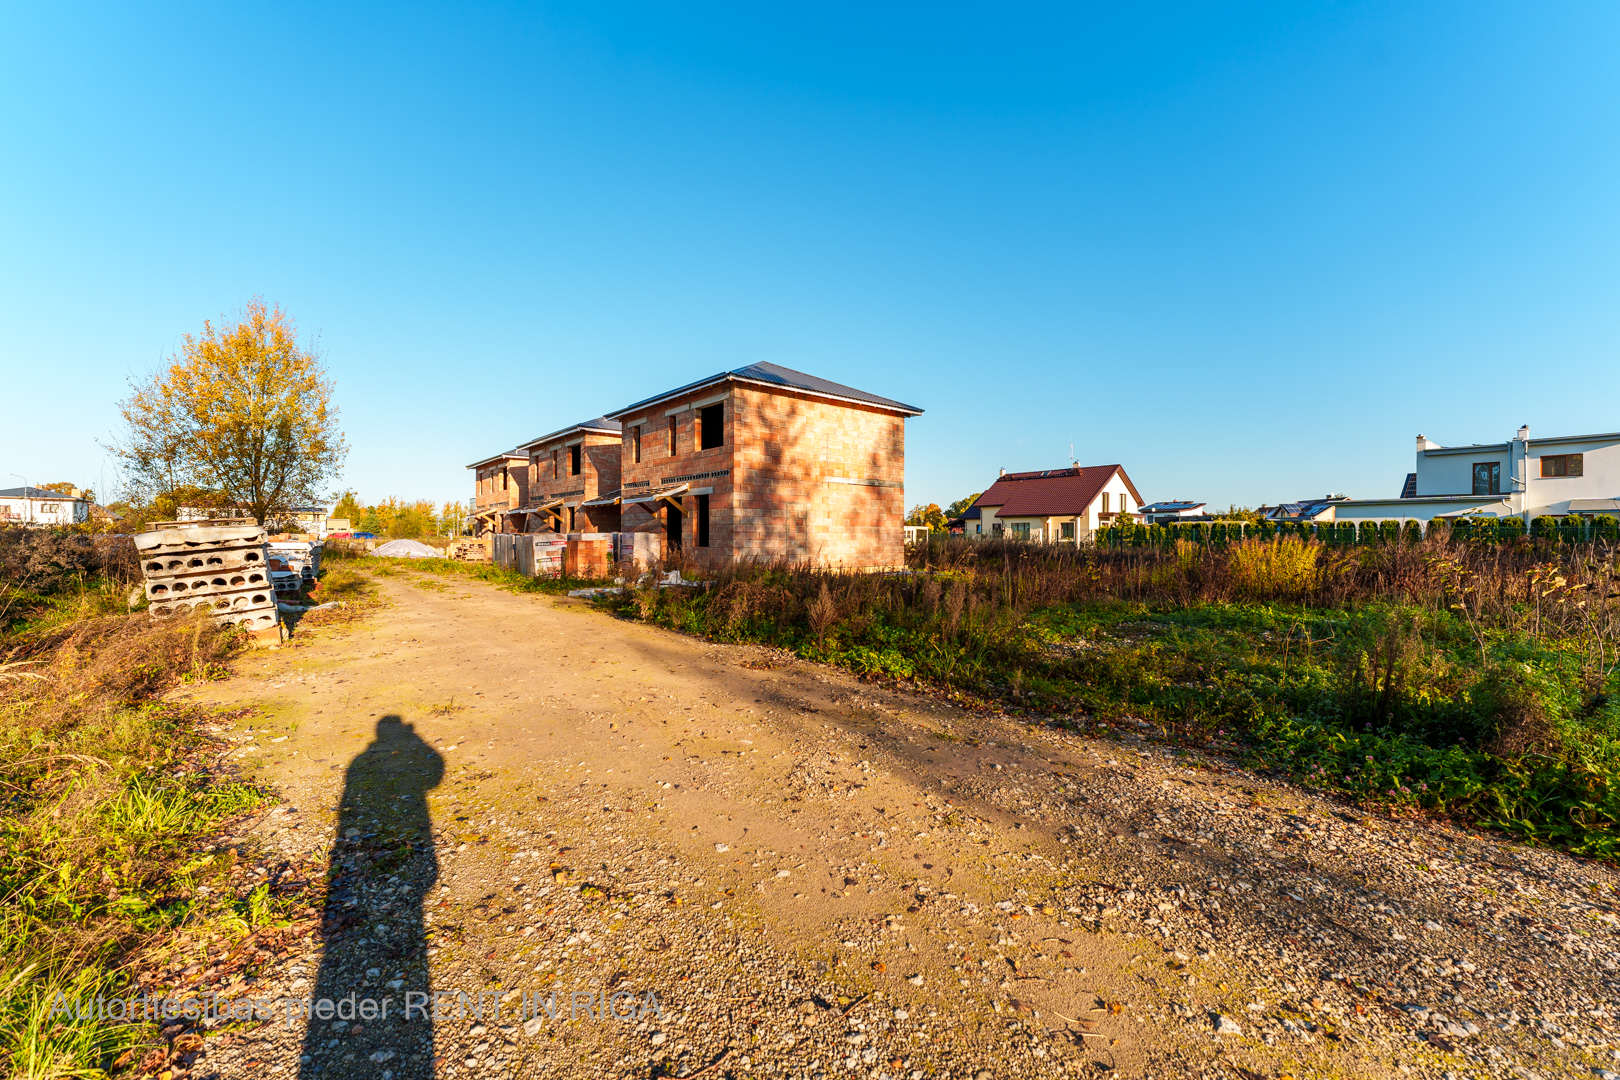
x,y
1488,477
712,424
703,513
672,436
574,456
635,443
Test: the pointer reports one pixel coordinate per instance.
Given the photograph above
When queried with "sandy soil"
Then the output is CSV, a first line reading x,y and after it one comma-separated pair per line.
x,y
767,867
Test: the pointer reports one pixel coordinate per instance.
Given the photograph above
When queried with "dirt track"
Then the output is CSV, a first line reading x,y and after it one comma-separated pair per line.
x,y
817,877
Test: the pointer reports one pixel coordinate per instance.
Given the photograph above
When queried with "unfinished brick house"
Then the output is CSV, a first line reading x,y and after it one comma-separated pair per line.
x,y
502,485
573,479
768,463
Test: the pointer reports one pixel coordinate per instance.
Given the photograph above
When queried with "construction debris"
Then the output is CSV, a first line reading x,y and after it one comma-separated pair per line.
x,y
468,550
222,570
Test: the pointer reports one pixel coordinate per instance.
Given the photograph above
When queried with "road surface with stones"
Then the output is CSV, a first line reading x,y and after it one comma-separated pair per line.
x,y
612,850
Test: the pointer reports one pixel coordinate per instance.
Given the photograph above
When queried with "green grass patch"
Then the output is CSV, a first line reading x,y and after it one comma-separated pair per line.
x,y
106,804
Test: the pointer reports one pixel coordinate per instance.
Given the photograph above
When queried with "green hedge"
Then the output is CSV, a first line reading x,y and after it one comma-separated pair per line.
x,y
1548,528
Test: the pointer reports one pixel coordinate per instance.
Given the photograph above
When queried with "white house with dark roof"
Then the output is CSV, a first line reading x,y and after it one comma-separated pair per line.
x,y
42,507
1166,511
1520,477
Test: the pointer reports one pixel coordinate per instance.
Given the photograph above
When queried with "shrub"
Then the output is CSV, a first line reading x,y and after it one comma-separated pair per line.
x,y
1284,568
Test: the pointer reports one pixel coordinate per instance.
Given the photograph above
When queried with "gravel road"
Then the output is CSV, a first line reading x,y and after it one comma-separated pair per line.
x,y
610,850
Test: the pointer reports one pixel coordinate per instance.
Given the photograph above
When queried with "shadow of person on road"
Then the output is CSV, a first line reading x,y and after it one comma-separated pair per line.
x,y
373,931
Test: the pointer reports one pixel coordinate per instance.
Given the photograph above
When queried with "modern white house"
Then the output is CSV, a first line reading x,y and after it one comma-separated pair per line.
x,y
1171,510
1567,474
1063,506
42,507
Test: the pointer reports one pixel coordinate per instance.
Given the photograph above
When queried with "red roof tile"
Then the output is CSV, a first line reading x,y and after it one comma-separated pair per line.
x,y
1052,493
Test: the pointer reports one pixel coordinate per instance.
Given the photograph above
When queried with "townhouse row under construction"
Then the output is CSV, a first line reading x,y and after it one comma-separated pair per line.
x,y
758,463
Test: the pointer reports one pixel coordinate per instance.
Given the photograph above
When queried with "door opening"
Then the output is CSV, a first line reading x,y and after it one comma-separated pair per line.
x,y
672,526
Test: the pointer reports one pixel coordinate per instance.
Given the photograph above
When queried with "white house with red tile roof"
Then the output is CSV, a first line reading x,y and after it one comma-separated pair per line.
x,y
1063,506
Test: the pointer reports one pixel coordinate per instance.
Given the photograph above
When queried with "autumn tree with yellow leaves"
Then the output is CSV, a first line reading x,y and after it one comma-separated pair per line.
x,y
242,411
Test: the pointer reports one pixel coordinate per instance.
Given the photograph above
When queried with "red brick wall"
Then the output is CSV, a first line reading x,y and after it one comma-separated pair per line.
x,y
488,492
775,501
598,475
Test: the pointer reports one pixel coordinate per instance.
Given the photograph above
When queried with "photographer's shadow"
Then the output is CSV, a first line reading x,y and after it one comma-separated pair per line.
x,y
373,930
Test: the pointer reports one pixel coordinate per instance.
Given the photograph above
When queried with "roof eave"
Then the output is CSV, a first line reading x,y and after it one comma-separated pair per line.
x,y
899,407
510,455
565,432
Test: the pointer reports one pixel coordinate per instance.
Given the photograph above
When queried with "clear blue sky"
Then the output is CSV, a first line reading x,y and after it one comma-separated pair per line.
x,y
1249,251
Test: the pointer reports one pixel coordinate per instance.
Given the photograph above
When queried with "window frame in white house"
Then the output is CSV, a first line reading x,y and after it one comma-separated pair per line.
x,y
1563,463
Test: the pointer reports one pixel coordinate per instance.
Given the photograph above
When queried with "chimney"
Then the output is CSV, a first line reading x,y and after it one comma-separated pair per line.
x,y
1524,433
1003,472
1426,443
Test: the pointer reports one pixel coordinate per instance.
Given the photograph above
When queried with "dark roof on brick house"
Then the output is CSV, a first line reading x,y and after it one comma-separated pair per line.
x,y
601,425
1051,492
785,378
515,452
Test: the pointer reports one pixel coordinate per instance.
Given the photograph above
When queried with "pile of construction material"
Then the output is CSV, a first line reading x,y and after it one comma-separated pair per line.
x,y
468,550
224,570
576,555
294,565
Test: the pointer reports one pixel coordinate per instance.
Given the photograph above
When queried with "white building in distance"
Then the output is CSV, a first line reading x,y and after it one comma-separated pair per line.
x,y
43,508
1569,474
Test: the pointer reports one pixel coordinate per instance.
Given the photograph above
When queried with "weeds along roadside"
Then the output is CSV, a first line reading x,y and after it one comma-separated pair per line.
x,y
107,797
1472,680
510,580
53,577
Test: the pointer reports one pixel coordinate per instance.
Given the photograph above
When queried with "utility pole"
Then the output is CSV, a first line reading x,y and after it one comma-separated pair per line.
x,y
28,504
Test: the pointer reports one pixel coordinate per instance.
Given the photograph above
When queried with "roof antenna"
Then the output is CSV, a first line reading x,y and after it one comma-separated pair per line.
x,y
1074,462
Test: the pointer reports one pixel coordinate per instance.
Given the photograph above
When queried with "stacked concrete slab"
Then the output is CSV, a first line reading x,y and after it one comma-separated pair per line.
x,y
222,570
